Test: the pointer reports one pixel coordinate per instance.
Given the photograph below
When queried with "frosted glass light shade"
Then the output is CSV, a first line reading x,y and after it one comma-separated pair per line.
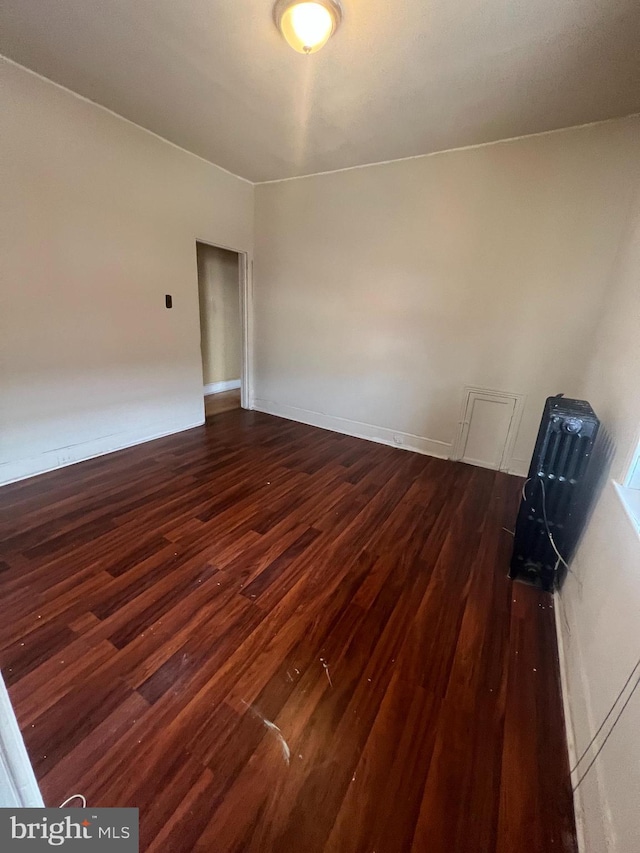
x,y
307,25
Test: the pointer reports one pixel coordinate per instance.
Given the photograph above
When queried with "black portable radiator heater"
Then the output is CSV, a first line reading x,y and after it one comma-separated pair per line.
x,y
554,501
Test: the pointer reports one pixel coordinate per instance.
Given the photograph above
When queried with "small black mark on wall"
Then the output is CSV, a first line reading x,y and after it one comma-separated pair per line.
x,y
168,300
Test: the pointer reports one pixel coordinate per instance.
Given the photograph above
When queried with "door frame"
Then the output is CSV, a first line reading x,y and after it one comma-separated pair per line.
x,y
18,786
245,287
470,392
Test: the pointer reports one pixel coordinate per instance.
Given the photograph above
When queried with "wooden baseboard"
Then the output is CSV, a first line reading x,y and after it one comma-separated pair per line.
x,y
382,435
219,387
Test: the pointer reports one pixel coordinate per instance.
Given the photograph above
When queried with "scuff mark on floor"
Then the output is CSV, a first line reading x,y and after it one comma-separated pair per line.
x,y
286,752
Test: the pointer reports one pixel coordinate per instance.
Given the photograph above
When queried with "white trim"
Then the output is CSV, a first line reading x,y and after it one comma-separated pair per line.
x,y
245,290
123,118
370,432
51,460
518,467
630,500
507,462
18,785
558,606
246,319
447,150
328,171
632,478
219,387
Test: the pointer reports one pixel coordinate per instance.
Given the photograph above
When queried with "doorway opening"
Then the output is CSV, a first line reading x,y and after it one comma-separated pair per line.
x,y
221,279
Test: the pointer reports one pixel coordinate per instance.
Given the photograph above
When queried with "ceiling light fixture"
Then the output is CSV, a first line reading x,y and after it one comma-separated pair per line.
x,y
307,25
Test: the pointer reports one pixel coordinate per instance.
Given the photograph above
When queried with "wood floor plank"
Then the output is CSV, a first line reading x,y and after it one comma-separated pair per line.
x,y
269,637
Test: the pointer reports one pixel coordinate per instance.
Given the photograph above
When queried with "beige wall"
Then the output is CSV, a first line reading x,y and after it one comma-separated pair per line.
x,y
100,220
220,330
600,602
382,291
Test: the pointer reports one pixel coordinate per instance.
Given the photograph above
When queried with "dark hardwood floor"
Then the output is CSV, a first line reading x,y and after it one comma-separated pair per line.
x,y
273,638
224,401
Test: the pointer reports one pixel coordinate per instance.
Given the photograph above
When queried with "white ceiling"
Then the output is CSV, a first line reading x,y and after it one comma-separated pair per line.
x,y
398,79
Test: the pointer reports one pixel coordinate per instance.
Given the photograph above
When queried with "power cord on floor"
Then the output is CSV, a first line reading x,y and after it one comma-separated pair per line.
x,y
74,797
561,559
602,724
609,733
548,529
624,686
